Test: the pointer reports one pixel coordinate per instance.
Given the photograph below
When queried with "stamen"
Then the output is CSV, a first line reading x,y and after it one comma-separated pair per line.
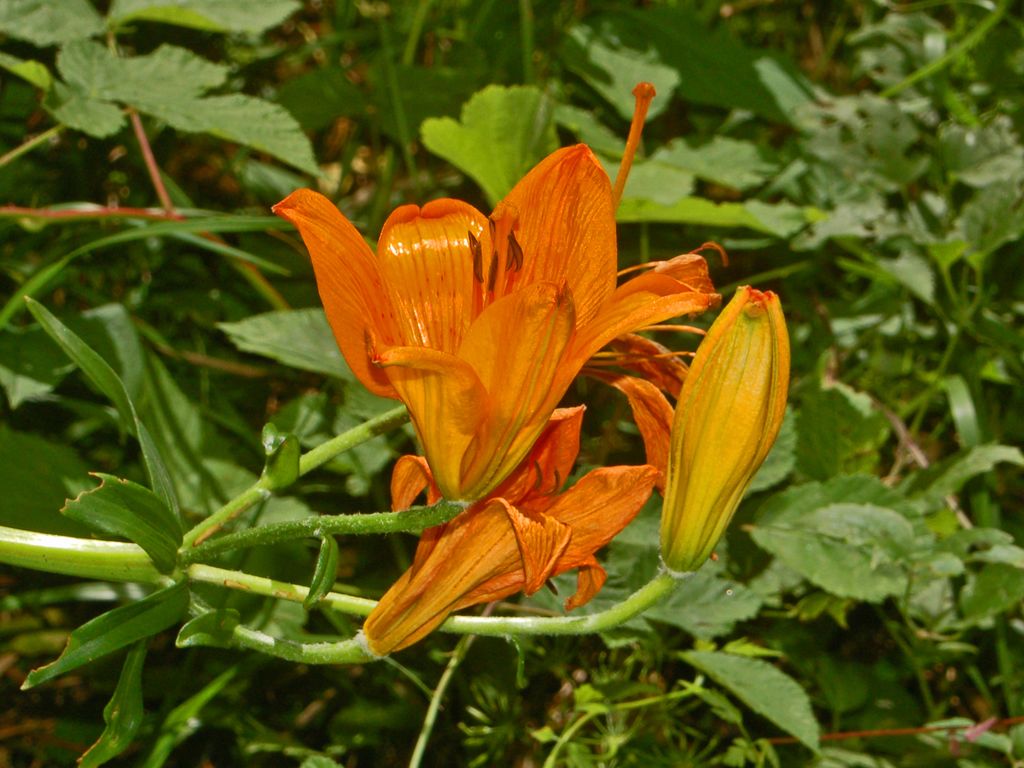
x,y
492,226
644,93
679,328
478,257
514,257
710,246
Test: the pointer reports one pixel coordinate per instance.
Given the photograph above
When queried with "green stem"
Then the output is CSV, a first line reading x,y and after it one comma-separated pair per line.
x,y
969,41
415,30
307,463
411,520
29,145
351,651
526,39
88,558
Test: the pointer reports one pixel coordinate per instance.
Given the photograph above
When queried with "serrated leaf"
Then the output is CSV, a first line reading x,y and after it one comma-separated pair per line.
x,y
126,509
765,689
253,16
214,628
107,382
123,713
850,550
300,338
170,84
34,72
69,107
781,458
115,629
839,432
778,219
325,572
47,22
706,606
729,162
502,133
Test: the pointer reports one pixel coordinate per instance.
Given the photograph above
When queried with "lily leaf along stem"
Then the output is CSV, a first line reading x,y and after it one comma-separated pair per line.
x,y
307,463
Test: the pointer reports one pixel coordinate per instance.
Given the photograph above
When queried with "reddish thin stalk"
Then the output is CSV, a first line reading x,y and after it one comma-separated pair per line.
x,y
151,166
644,93
98,212
883,732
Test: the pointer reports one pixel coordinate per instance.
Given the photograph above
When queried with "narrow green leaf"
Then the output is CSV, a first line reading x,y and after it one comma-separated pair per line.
x,y
123,713
115,629
961,406
213,629
765,689
949,475
281,467
502,133
299,338
123,508
778,219
325,572
103,377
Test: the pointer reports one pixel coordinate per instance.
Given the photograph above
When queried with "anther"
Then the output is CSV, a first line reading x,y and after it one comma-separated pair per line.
x,y
514,257
478,257
492,226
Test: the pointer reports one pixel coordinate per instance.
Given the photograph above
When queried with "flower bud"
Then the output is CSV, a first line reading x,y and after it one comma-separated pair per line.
x,y
726,420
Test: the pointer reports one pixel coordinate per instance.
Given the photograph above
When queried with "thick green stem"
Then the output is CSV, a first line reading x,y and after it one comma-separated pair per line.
x,y
411,520
307,463
88,558
352,651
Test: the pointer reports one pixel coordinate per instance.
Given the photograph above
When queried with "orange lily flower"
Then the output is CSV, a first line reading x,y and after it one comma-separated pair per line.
x,y
480,323
515,540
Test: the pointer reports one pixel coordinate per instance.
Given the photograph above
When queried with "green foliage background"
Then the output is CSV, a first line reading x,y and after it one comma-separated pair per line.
x,y
864,160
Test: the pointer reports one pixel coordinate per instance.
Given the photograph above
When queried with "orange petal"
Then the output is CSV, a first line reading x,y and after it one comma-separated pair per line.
x,y
565,224
515,347
589,579
477,546
597,507
410,477
446,405
642,301
550,461
652,361
651,412
348,281
542,541
426,262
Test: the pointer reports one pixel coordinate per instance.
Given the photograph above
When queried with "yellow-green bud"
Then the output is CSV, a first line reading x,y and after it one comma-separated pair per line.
x,y
727,418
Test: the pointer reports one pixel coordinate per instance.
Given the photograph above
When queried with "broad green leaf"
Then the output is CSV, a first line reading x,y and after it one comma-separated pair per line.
x,y
30,366
319,761
949,475
126,509
707,606
997,587
425,92
781,459
31,71
850,550
318,98
37,476
728,162
107,382
299,338
839,432
590,130
46,22
214,628
170,84
673,49
123,713
913,272
979,155
253,16
778,219
115,629
76,110
799,501
325,572
502,133
764,688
